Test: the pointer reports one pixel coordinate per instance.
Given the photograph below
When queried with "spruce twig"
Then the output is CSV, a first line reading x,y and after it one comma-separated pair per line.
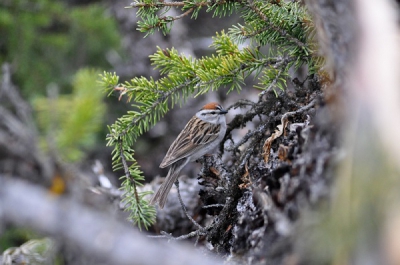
x,y
128,175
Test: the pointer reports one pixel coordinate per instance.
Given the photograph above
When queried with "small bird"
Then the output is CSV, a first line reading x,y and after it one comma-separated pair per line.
x,y
202,133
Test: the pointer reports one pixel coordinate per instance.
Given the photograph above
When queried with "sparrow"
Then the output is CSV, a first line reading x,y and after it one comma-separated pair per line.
x,y
202,133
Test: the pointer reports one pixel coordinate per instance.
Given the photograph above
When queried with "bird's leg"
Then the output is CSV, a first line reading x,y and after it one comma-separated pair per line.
x,y
184,207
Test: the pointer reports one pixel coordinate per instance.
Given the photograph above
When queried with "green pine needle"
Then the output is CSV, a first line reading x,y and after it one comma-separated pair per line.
x,y
284,28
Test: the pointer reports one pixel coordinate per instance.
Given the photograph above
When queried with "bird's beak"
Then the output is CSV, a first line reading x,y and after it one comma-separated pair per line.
x,y
223,111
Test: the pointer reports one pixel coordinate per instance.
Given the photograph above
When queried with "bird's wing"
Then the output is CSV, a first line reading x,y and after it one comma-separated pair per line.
x,y
188,142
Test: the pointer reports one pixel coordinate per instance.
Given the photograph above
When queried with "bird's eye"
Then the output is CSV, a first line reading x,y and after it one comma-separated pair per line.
x,y
212,112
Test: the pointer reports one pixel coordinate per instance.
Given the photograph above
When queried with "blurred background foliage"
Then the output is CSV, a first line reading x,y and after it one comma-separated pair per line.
x,y
15,237
70,121
48,41
54,48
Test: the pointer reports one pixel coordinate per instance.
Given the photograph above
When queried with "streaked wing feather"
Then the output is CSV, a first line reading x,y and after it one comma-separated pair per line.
x,y
188,142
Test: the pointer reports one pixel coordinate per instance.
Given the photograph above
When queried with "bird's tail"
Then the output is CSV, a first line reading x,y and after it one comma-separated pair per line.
x,y
161,195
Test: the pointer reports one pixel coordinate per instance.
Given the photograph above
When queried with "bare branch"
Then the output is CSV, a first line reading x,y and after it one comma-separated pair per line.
x,y
94,233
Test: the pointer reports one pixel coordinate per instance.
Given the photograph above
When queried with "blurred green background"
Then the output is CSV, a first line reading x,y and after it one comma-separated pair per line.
x,y
50,41
56,50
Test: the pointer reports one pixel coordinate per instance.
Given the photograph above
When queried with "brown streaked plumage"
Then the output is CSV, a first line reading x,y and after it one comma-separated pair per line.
x,y
194,136
202,133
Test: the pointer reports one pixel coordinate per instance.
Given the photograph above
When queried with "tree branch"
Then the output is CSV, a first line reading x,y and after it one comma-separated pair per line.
x,y
281,31
94,233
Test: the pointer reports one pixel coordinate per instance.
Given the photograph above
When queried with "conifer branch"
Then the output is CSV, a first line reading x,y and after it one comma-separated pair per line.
x,y
175,4
128,175
281,25
196,82
163,96
282,31
164,4
169,18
